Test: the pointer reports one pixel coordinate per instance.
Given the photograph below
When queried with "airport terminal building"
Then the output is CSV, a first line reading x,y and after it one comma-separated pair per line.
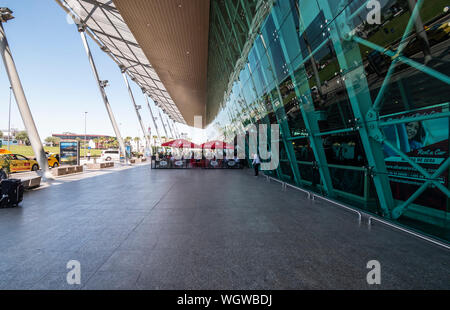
x,y
360,122
344,103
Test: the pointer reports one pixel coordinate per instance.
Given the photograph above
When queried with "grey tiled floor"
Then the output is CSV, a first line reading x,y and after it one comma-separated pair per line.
x,y
201,229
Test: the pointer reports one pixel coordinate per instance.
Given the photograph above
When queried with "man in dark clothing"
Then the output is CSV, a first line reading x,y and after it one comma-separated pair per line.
x,y
256,163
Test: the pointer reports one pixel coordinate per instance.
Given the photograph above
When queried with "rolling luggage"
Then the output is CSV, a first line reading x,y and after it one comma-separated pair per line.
x,y
11,193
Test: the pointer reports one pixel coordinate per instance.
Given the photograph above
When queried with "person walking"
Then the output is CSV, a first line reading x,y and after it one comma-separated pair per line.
x,y
256,163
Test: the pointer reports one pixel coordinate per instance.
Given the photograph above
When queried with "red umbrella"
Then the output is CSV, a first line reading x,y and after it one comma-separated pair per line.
x,y
212,145
181,143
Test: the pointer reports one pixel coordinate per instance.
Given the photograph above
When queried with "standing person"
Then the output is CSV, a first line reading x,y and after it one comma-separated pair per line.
x,y
256,163
89,155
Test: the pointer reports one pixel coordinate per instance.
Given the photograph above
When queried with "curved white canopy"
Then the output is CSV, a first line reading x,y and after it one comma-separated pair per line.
x,y
106,26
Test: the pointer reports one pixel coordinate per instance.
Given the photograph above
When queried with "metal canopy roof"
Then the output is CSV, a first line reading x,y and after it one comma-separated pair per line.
x,y
106,26
173,34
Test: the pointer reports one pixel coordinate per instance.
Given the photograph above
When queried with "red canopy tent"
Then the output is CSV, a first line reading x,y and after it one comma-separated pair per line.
x,y
212,145
181,143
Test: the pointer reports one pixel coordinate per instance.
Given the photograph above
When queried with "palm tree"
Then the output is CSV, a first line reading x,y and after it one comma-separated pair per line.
x,y
100,143
127,140
96,141
137,139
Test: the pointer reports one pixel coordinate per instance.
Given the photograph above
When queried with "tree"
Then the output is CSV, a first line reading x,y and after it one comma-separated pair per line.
x,y
96,141
1,134
103,141
111,143
23,137
53,140
137,139
127,140
5,168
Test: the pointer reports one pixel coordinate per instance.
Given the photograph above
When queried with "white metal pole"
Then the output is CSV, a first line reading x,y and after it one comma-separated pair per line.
x,y
22,103
85,135
9,119
164,126
176,129
137,110
169,130
153,118
169,122
101,86
168,126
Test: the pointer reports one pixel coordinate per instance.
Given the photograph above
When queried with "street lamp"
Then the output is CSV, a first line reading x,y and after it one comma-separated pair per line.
x,y
85,135
9,119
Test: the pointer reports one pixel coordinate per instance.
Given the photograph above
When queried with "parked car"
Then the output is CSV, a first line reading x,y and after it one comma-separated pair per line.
x,y
109,155
438,32
53,160
18,163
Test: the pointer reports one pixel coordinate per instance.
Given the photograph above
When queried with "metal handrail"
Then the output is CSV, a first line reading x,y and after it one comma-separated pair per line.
x,y
340,205
276,180
298,188
313,195
371,218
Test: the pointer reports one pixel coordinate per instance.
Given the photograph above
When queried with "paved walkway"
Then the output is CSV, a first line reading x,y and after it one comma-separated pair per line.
x,y
201,229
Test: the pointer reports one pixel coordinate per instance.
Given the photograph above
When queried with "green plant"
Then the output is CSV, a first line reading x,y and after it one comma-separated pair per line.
x,y
5,164
23,136
53,140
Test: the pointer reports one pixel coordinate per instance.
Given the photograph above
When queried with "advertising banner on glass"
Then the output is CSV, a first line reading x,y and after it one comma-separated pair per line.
x,y
69,151
426,143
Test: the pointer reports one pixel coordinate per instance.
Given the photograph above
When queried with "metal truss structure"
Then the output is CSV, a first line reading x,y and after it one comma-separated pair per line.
x,y
255,96
104,24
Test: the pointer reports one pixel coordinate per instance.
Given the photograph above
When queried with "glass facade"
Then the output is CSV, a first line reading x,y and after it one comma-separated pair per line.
x,y
363,107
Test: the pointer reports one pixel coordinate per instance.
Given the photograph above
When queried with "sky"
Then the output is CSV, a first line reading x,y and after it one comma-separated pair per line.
x,y
58,81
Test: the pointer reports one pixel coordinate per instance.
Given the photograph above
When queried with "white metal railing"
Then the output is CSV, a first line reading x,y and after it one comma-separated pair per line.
x,y
371,218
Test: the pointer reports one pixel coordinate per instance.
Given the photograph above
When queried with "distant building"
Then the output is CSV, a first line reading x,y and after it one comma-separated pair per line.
x,y
74,136
11,134
89,138
4,142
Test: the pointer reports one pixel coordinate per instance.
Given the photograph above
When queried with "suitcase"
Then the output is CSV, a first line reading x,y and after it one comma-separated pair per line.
x,y
11,193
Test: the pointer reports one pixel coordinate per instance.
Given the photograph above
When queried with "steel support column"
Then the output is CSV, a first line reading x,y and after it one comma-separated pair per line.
x,y
252,122
308,111
163,125
22,104
130,92
361,103
152,117
101,87
170,127
232,18
280,114
175,130
267,120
